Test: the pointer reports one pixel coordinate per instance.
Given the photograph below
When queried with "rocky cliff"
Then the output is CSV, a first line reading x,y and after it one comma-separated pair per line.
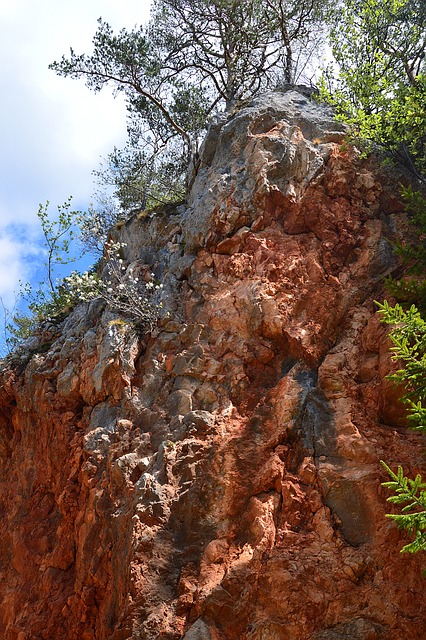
x,y
220,478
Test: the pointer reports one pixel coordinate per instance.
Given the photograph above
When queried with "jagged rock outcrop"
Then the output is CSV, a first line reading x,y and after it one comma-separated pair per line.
x,y
220,479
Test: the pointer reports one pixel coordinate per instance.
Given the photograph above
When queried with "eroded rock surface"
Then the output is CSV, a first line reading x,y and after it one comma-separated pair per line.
x,y
220,479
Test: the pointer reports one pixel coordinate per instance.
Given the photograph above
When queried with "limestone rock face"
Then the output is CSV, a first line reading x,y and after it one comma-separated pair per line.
x,y
220,479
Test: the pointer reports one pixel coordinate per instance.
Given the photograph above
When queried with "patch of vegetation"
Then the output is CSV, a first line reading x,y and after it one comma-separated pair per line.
x,y
377,84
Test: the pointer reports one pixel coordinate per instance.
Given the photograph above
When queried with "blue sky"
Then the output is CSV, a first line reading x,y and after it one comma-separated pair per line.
x,y
53,131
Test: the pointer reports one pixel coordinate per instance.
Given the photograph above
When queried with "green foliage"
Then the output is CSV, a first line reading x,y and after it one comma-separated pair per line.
x,y
16,327
48,299
119,285
411,288
133,63
59,233
144,174
19,328
40,304
411,494
408,332
192,59
236,48
379,87
408,336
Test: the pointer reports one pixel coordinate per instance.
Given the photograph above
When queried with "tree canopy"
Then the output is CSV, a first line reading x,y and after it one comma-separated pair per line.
x,y
193,58
237,48
379,84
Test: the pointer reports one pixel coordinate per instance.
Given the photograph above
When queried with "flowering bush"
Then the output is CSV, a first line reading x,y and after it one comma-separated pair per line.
x,y
129,289
94,224
120,286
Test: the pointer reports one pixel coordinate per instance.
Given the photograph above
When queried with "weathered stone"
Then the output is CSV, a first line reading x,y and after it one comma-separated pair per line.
x,y
202,419
179,402
358,629
198,631
220,478
67,381
347,502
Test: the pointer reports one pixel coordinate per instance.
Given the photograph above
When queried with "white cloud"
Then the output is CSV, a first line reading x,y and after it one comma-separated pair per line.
x,y
16,254
11,255
53,131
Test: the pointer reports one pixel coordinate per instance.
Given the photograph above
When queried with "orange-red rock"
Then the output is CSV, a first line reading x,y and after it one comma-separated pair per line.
x,y
220,479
